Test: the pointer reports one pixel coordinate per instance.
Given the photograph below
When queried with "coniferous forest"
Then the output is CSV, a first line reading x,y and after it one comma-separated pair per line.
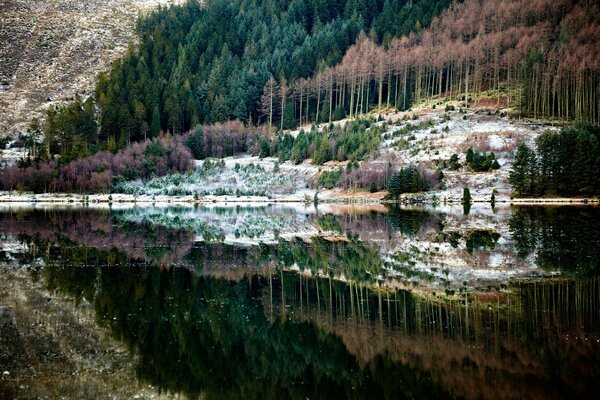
x,y
564,163
284,63
229,75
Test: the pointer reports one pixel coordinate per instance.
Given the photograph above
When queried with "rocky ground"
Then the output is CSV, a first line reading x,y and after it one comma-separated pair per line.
x,y
51,50
51,347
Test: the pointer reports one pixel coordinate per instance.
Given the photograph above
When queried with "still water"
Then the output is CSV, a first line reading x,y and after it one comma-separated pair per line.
x,y
298,302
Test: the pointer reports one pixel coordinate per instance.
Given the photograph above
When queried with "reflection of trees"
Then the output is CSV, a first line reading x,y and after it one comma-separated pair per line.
x,y
141,241
481,240
408,222
211,337
511,346
562,238
285,335
354,259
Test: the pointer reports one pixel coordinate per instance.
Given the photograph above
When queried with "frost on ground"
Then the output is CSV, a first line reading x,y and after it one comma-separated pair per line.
x,y
427,140
229,225
241,176
431,137
469,252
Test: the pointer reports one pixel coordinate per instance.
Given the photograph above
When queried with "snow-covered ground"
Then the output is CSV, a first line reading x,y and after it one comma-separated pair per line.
x,y
427,138
440,134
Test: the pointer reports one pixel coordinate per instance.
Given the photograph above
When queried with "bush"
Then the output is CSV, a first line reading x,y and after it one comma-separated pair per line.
x,y
482,162
453,163
98,173
407,180
329,179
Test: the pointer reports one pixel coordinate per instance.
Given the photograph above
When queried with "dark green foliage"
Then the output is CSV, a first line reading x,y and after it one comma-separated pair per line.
x,y
329,179
408,222
481,162
523,173
209,63
564,239
285,145
466,199
205,64
400,17
357,140
264,148
407,180
453,163
566,164
71,131
481,240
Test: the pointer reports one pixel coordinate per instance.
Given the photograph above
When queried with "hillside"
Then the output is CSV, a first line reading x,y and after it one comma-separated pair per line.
x,y
384,106
424,137
50,50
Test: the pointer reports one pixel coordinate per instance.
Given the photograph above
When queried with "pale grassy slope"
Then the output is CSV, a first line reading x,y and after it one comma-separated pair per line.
x,y
53,49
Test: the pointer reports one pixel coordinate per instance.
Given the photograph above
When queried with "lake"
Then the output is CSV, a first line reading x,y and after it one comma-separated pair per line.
x,y
299,301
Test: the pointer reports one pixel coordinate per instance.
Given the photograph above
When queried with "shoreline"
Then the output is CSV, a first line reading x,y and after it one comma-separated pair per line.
x,y
338,198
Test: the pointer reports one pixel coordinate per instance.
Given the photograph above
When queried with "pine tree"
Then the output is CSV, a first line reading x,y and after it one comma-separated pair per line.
x,y
155,125
523,171
394,184
466,199
470,156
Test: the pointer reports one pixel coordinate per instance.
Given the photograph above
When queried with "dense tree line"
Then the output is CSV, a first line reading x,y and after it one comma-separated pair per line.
x,y
355,140
479,161
407,180
240,59
99,172
289,62
564,163
538,56
221,60
70,131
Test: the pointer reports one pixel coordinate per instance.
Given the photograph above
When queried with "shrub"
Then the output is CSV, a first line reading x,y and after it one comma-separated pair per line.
x,y
407,180
98,173
482,162
329,179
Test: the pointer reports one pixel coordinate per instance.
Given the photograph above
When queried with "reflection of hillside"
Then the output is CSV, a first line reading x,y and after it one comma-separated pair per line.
x,y
211,338
444,252
97,230
285,329
541,344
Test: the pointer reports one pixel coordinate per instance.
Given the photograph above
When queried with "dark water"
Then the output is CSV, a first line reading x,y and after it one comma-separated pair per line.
x,y
280,303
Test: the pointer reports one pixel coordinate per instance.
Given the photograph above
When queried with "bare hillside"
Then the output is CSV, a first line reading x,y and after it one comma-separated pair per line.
x,y
52,49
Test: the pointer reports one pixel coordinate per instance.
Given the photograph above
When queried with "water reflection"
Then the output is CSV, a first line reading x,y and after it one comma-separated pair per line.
x,y
282,303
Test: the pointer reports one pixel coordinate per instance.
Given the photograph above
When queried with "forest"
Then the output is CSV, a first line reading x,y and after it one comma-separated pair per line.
x,y
232,76
321,61
243,60
564,163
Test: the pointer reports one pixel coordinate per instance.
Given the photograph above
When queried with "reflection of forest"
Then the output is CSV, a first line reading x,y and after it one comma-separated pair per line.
x,y
295,336
541,341
563,239
264,331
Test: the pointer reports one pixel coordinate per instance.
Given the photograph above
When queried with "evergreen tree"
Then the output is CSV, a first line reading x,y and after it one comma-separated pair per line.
x,y
155,126
523,172
394,185
466,199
